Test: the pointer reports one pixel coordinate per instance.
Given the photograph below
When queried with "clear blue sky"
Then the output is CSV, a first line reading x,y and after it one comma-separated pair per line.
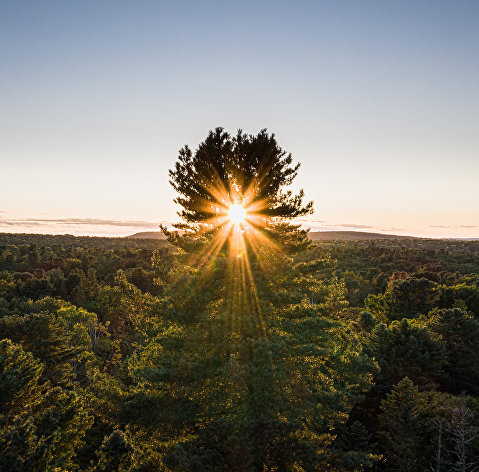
x,y
379,101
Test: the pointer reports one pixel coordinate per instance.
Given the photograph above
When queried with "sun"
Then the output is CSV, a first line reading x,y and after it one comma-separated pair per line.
x,y
237,213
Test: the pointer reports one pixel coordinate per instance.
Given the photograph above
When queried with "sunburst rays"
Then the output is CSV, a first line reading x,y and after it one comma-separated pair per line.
x,y
236,218
236,225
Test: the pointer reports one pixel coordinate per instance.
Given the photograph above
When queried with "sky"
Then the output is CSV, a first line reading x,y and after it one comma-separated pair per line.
x,y
378,100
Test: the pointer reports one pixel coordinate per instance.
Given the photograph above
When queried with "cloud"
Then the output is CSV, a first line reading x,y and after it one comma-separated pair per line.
x,y
17,223
306,220
78,221
393,229
452,226
336,225
348,225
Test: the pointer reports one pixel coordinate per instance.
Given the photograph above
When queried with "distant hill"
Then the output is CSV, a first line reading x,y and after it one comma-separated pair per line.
x,y
315,236
148,235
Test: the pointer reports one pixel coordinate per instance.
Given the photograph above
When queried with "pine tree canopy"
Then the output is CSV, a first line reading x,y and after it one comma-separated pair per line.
x,y
237,184
246,170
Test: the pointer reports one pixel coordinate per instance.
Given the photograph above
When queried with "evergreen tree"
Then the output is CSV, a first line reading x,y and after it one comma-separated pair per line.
x,y
46,338
246,375
19,375
354,448
246,170
411,296
114,454
406,348
405,297
41,428
401,424
237,165
460,332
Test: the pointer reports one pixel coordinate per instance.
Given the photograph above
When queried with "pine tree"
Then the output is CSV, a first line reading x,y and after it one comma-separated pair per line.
x,y
114,454
246,374
19,375
41,428
246,170
355,451
400,422
46,339
406,348
460,332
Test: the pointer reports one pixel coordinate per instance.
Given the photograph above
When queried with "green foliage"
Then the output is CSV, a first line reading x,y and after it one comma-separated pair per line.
x,y
124,355
46,339
354,449
114,454
406,348
19,375
273,380
246,169
460,332
460,296
401,422
404,297
222,162
40,427
412,296
46,437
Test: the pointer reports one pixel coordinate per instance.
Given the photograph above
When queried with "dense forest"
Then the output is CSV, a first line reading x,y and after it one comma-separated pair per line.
x,y
238,344
108,363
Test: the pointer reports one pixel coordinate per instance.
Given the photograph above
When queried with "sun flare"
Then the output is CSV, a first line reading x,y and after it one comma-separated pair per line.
x,y
237,213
